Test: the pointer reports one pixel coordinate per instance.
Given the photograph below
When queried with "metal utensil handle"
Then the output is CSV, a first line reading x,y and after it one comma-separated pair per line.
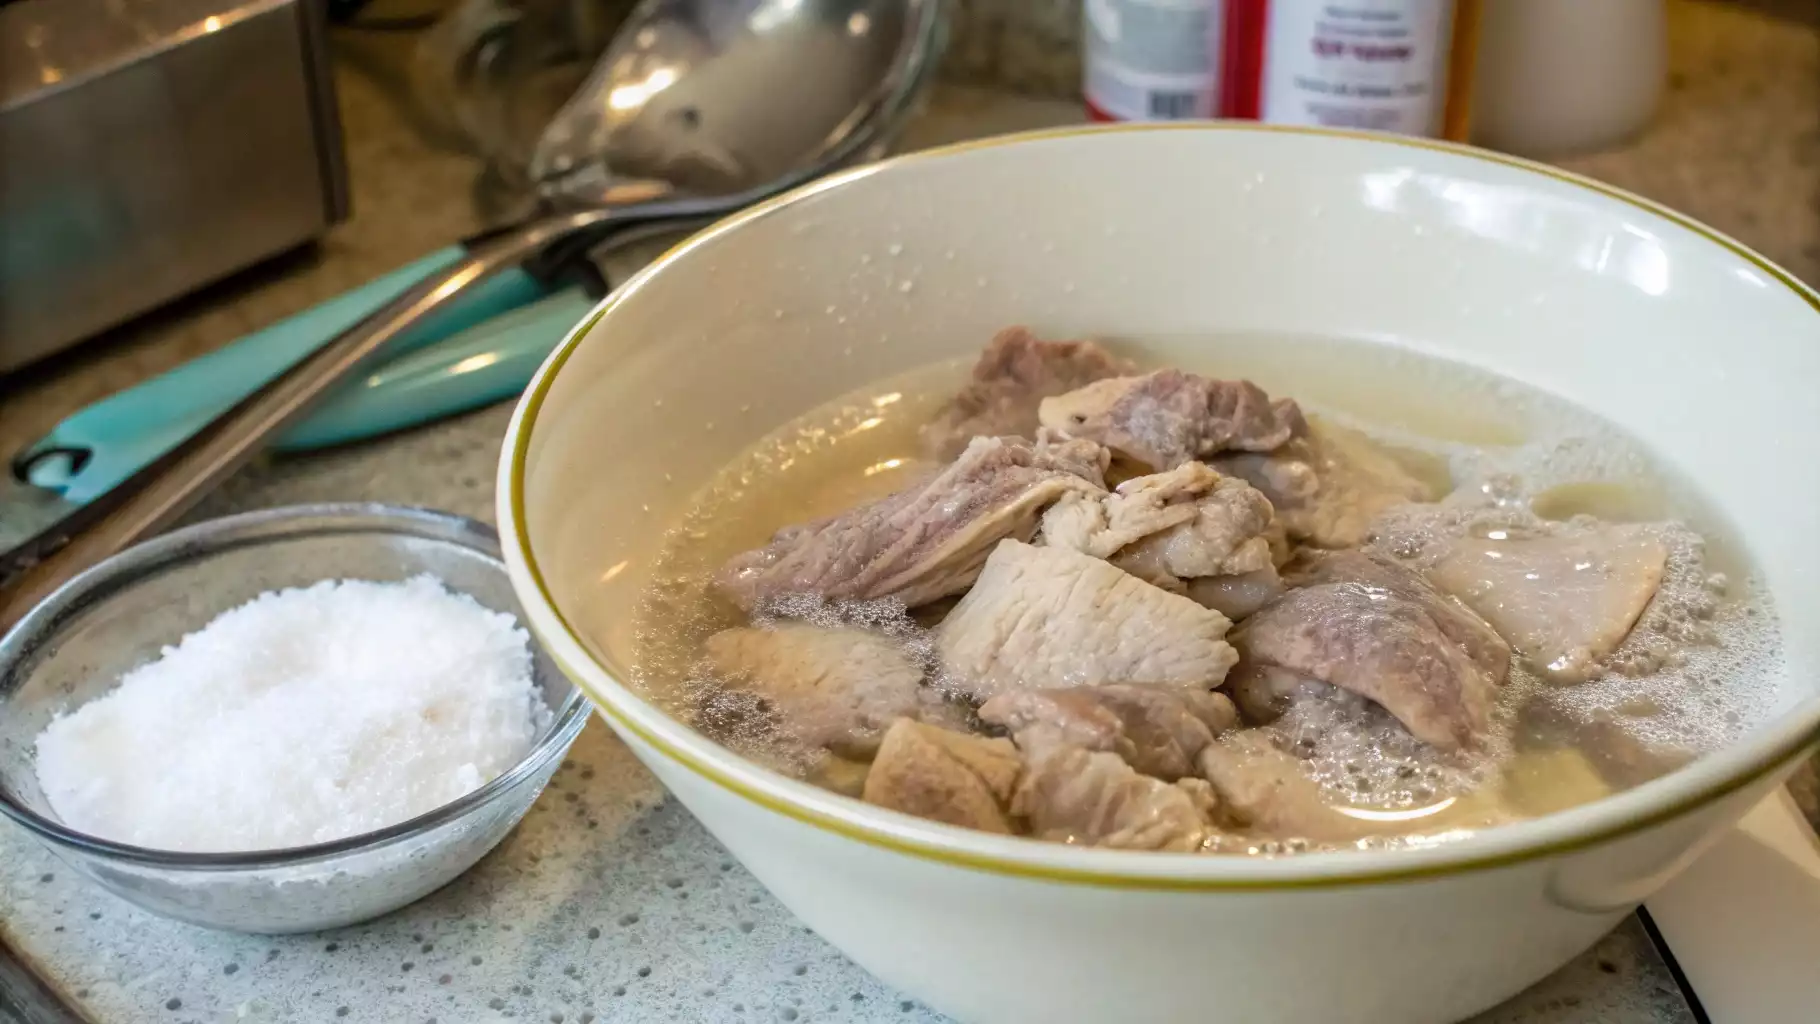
x,y
156,497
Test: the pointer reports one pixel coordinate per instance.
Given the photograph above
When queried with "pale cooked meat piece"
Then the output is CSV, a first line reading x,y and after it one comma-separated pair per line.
x,y
1236,597
1461,624
1157,730
944,776
1077,522
1376,629
1168,417
832,687
1328,485
1070,794
1381,647
1166,527
1263,791
1229,536
1044,618
1063,717
1563,601
842,775
1014,374
1102,525
1263,693
927,541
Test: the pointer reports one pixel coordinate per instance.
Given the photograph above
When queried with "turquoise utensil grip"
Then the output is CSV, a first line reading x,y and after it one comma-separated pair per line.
x,y
482,365
119,435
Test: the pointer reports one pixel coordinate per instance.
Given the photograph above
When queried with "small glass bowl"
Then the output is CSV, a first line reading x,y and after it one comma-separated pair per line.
x,y
76,645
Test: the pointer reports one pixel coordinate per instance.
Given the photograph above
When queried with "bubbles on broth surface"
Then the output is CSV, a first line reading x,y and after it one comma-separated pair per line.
x,y
1363,757
1701,662
886,618
856,449
1701,666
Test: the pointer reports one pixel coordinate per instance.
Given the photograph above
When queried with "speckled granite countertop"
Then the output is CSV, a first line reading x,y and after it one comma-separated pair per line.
x,y
609,902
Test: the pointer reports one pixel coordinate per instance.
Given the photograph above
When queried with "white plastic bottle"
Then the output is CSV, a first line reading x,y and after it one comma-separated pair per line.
x,y
1567,76
1150,60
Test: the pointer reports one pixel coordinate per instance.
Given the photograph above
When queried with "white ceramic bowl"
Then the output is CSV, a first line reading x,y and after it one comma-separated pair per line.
x,y
1161,234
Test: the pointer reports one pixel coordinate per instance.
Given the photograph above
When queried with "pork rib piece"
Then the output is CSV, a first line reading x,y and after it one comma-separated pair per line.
x,y
1567,598
924,542
1328,485
836,688
1459,623
1014,374
1168,417
1263,792
944,776
1167,527
1375,628
1158,730
1044,618
1070,794
1237,597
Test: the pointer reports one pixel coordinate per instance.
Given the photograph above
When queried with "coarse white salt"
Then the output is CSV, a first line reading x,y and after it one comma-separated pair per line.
x,y
303,716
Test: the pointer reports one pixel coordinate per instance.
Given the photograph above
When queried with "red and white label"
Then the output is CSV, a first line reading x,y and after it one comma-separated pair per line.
x,y
1375,64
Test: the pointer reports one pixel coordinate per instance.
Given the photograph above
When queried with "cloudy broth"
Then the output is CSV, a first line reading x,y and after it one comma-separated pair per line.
x,y
1702,663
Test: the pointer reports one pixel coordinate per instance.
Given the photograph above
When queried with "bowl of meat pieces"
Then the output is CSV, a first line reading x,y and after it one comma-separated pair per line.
x,y
1111,573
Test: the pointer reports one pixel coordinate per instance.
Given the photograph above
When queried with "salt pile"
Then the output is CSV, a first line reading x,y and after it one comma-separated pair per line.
x,y
303,716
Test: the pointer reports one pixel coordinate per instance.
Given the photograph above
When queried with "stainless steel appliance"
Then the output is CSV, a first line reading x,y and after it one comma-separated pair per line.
x,y
148,147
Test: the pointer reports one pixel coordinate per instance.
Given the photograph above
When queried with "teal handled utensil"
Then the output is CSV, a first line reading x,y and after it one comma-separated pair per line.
x,y
90,454
487,363
483,350
483,364
93,450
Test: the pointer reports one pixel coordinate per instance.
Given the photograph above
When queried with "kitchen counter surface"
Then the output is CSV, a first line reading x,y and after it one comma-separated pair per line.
x,y
609,902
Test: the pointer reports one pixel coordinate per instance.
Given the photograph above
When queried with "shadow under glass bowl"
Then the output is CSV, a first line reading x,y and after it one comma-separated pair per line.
x,y
76,645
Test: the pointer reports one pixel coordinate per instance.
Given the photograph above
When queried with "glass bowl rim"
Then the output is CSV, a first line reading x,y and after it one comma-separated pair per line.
x,y
251,529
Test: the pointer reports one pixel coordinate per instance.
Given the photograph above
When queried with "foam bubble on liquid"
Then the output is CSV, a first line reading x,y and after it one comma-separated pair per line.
x,y
1702,663
1363,757
885,617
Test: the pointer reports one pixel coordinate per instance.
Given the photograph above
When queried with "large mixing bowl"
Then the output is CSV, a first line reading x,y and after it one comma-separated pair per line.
x,y
1683,338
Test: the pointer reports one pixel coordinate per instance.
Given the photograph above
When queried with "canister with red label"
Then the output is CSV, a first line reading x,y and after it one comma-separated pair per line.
x,y
1400,66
